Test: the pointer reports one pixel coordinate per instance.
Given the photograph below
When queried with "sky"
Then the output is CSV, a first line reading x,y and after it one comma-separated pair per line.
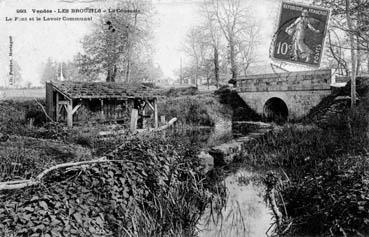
x,y
35,41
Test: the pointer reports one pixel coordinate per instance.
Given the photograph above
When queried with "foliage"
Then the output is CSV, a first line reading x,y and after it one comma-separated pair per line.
x,y
16,117
69,70
187,110
50,71
119,47
17,73
239,31
24,157
194,110
225,38
330,112
153,189
326,189
344,12
16,114
207,62
175,92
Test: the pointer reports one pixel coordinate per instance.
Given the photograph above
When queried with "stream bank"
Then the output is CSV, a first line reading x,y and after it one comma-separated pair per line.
x,y
322,184
244,211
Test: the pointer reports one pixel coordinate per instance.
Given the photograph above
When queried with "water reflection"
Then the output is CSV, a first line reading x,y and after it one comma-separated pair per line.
x,y
245,213
203,137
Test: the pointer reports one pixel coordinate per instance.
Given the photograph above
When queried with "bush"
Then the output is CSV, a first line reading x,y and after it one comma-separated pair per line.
x,y
184,91
16,115
327,188
24,157
196,110
333,197
154,188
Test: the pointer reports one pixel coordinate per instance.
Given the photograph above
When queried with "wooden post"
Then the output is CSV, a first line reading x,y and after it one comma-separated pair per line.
x,y
353,53
76,108
143,117
70,113
31,120
134,117
162,119
57,107
156,113
102,117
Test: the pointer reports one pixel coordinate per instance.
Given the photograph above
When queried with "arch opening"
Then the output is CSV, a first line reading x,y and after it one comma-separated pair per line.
x,y
276,109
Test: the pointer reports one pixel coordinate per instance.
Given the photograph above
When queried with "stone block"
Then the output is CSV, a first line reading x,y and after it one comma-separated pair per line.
x,y
206,161
226,153
251,126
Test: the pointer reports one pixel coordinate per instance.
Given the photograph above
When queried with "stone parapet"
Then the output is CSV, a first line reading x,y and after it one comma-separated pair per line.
x,y
305,80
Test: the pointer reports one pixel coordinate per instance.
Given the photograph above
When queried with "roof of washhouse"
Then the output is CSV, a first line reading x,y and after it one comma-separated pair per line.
x,y
105,90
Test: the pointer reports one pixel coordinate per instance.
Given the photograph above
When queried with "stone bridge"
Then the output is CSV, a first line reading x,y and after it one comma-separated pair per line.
x,y
290,95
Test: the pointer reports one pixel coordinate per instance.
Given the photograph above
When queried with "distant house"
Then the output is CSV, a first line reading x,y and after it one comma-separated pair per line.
x,y
79,102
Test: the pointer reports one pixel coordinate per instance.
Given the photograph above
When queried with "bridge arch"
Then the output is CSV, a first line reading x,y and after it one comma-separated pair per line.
x,y
276,108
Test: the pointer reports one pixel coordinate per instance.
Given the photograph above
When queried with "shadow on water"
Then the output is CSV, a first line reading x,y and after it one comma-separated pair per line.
x,y
245,212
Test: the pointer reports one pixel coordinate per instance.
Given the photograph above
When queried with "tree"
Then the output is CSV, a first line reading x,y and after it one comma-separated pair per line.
x,y
224,22
195,47
29,84
353,53
204,54
213,36
50,71
234,21
71,72
335,54
246,48
115,46
142,67
351,18
17,74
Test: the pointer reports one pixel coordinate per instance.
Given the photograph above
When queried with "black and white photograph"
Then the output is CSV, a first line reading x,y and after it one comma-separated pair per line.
x,y
188,118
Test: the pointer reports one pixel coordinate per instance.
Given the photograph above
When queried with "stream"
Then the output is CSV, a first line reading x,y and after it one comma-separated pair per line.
x,y
245,212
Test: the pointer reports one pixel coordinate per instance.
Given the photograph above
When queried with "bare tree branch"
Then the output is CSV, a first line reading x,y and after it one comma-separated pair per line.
x,y
18,184
43,110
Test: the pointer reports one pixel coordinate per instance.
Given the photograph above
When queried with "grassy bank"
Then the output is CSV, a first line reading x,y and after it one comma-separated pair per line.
x,y
15,121
324,174
154,185
198,110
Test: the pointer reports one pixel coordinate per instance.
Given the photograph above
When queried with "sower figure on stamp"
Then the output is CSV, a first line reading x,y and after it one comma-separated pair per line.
x,y
298,30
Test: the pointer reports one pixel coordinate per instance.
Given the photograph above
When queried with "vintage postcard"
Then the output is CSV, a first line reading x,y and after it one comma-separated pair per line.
x,y
184,118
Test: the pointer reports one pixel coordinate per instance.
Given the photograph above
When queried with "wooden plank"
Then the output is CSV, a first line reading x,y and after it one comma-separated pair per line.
x,y
156,114
143,117
50,106
60,91
76,108
162,119
60,109
57,107
134,117
150,105
69,107
102,116
63,102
